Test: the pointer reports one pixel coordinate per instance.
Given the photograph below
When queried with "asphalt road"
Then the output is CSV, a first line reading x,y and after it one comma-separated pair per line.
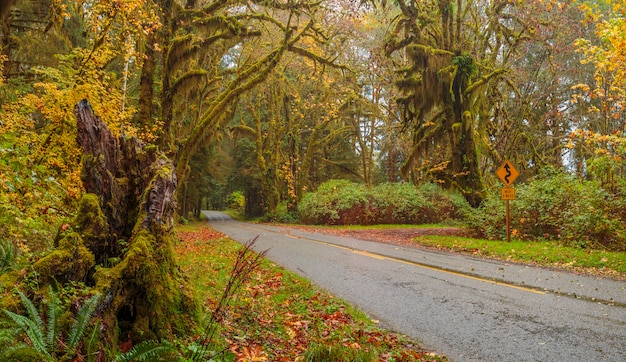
x,y
469,309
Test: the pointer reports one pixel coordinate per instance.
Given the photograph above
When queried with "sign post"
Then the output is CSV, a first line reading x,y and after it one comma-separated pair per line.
x,y
508,173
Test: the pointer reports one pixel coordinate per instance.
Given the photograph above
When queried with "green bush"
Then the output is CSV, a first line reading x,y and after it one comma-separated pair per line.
x,y
489,220
341,202
448,205
336,202
399,204
557,206
282,215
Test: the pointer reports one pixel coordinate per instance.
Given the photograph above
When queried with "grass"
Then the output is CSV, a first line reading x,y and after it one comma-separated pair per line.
x,y
278,316
545,253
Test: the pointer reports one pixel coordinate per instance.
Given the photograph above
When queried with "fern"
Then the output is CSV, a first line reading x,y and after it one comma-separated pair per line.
x,y
11,349
33,326
32,312
91,342
82,320
23,352
44,340
149,351
7,255
32,331
53,312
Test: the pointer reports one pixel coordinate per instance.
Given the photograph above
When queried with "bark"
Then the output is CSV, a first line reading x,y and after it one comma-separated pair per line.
x,y
144,293
146,85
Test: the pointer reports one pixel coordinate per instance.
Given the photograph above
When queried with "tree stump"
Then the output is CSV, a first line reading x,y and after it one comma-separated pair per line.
x,y
144,292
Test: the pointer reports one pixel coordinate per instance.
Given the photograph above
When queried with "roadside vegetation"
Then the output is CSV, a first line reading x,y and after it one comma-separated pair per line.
x,y
556,206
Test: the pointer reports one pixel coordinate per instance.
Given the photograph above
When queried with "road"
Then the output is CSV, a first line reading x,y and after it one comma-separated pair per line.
x,y
467,308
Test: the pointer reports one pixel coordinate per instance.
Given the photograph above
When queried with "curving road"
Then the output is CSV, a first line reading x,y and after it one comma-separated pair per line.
x,y
467,308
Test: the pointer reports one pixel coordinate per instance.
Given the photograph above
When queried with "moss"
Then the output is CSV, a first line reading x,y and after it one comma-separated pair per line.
x,y
8,299
92,225
149,297
70,261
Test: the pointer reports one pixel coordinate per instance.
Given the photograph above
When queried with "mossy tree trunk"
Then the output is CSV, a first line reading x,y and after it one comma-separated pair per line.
x,y
144,293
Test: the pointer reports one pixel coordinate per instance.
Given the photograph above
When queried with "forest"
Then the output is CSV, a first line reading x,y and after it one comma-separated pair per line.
x,y
120,119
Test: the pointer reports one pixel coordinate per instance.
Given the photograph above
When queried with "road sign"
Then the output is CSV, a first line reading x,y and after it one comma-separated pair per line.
x,y
508,193
507,173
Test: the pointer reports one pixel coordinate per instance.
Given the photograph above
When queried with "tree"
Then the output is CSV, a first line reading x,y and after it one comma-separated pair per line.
x,y
532,116
145,293
600,134
452,54
120,242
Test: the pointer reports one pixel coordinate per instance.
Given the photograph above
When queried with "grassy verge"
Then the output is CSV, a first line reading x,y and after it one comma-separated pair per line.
x,y
278,316
545,253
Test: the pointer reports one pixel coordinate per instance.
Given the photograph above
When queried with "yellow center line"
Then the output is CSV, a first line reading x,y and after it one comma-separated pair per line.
x,y
434,268
368,254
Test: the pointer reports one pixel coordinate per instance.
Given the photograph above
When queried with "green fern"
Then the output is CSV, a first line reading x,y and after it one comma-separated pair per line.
x,y
12,349
32,331
7,255
53,312
33,326
150,351
32,311
82,321
43,339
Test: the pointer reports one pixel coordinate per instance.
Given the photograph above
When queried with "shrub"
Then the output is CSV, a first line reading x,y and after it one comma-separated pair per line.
x,y
282,215
448,205
557,206
489,219
340,202
336,202
400,204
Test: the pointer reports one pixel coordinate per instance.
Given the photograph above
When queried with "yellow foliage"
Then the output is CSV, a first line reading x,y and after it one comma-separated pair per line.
x,y
3,58
607,97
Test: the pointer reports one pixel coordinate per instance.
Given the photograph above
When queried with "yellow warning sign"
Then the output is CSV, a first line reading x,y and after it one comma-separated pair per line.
x,y
507,173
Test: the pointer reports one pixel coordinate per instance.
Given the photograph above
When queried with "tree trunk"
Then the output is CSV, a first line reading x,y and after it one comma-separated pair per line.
x,y
146,86
144,293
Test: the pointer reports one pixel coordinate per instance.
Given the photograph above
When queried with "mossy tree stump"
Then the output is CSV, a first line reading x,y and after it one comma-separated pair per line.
x,y
127,226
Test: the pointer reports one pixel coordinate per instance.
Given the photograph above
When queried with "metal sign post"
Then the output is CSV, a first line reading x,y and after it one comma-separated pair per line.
x,y
508,173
